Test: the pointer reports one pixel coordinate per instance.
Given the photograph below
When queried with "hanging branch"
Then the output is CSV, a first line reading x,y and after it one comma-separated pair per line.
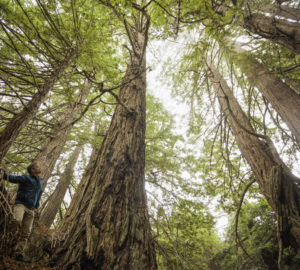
x,y
109,90
236,120
238,240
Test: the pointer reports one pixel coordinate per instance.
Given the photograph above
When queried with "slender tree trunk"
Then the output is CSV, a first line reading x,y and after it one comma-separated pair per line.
x,y
112,230
283,99
54,145
275,180
20,120
56,198
38,242
283,32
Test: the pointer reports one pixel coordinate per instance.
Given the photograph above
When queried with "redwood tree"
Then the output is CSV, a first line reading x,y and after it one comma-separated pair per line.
x,y
56,198
111,230
13,128
282,11
39,63
284,100
53,146
83,192
283,32
276,182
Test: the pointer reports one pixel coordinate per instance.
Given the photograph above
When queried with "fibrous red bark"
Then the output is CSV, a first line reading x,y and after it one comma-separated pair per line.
x,y
111,229
83,192
276,182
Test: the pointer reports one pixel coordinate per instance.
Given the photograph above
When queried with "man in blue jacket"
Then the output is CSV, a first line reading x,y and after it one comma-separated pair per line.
x,y
27,202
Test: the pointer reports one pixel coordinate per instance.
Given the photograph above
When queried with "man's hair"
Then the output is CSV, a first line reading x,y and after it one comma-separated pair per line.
x,y
29,168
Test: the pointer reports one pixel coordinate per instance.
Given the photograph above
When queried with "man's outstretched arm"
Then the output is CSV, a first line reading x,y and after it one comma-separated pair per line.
x,y
16,179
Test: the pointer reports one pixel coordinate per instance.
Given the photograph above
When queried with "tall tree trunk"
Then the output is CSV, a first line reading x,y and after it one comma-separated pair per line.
x,y
275,180
282,11
112,230
20,120
83,192
56,198
53,146
283,32
293,84
284,100
280,31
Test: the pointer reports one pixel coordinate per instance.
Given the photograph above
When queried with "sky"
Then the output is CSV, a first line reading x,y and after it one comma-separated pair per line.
x,y
158,53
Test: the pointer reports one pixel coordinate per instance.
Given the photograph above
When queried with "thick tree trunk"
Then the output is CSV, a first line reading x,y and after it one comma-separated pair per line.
x,y
283,32
111,230
280,31
276,182
20,120
54,145
283,99
282,11
293,84
83,192
56,198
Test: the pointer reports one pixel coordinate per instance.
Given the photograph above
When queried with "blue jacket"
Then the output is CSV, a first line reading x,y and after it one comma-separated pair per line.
x,y
29,191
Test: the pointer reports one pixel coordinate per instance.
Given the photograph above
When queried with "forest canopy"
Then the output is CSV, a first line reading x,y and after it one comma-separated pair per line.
x,y
85,90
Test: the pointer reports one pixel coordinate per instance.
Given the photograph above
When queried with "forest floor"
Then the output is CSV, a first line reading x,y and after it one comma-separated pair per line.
x,y
7,263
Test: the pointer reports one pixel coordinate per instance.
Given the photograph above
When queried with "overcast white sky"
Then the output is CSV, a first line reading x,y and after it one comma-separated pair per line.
x,y
158,54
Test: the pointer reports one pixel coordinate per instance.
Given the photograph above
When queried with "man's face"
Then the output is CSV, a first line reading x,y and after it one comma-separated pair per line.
x,y
36,170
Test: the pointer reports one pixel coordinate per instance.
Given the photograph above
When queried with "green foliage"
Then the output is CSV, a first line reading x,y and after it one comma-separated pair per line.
x,y
168,161
256,245
182,173
184,237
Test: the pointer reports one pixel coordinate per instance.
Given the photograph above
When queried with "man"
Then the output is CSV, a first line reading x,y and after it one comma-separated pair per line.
x,y
27,202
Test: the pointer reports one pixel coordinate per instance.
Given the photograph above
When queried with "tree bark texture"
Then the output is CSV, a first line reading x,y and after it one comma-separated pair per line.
x,y
111,230
5,214
56,198
293,84
20,120
54,145
280,31
283,32
281,11
83,192
276,182
283,99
